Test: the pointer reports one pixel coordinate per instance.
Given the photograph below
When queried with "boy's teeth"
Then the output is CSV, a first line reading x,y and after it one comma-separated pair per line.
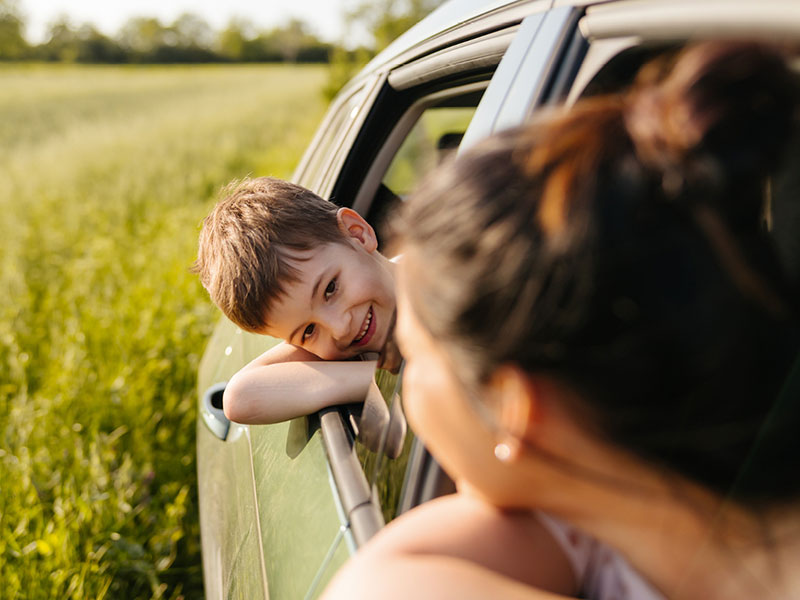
x,y
366,326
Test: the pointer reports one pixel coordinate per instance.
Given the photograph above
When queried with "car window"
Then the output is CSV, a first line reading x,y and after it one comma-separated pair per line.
x,y
413,116
430,131
433,138
422,134
426,132
435,132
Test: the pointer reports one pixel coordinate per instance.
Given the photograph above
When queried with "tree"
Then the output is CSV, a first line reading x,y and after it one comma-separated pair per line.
x,y
295,43
388,19
192,31
146,39
142,36
62,41
385,20
12,41
232,40
94,47
84,43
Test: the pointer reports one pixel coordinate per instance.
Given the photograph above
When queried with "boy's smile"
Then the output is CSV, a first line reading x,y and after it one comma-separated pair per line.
x,y
367,330
343,303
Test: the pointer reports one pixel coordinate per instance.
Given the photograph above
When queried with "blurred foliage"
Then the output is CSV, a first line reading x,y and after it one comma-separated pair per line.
x,y
386,20
12,40
82,44
106,174
344,65
292,43
189,39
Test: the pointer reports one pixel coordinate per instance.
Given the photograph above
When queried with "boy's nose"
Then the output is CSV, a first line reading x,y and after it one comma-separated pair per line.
x,y
338,325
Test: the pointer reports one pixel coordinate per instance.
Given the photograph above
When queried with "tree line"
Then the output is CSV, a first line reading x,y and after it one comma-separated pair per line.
x,y
190,39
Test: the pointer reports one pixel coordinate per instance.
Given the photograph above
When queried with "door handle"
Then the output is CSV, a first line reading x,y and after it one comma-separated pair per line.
x,y
212,413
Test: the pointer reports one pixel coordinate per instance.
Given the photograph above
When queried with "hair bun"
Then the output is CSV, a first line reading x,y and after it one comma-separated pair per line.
x,y
720,115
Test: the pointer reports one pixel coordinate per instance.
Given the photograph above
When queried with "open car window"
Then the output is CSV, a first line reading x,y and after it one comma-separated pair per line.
x,y
428,133
434,137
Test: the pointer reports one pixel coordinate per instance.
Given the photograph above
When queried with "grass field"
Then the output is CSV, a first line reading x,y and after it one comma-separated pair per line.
x,y
106,173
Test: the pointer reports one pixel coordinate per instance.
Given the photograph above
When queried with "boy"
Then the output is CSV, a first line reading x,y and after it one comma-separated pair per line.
x,y
279,260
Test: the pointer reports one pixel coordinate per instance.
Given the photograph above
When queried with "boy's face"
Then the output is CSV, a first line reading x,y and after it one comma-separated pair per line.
x,y
343,303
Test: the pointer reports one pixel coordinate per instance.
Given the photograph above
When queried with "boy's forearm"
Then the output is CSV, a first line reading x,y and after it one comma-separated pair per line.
x,y
271,393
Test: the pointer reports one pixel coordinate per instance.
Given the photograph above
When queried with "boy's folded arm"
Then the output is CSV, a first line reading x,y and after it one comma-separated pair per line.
x,y
288,382
281,353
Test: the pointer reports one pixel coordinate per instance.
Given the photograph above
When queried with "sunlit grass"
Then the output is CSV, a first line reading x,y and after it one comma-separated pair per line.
x,y
106,173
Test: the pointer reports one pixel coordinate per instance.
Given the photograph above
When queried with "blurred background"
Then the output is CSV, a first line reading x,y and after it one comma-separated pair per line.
x,y
119,123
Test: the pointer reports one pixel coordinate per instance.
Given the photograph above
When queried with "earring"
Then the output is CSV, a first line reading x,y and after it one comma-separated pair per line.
x,y
502,452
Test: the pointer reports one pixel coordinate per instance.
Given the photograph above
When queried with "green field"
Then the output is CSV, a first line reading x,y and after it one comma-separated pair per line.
x,y
106,173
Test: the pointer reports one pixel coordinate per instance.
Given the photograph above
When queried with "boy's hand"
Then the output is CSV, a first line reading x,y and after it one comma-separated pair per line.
x,y
390,358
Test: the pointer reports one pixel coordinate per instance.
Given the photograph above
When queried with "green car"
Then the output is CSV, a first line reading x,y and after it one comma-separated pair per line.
x,y
283,506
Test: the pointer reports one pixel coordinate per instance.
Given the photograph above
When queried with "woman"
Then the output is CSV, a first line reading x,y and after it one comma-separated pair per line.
x,y
597,329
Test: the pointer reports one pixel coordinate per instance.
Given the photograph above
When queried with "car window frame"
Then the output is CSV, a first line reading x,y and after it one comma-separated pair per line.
x,y
526,73
362,515
394,111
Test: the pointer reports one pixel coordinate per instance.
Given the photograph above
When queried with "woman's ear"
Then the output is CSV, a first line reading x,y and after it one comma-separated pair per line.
x,y
516,405
353,226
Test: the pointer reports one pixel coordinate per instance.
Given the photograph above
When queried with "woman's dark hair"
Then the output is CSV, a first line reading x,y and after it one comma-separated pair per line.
x,y
618,247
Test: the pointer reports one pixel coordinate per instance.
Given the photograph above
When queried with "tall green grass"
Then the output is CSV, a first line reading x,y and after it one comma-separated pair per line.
x,y
105,175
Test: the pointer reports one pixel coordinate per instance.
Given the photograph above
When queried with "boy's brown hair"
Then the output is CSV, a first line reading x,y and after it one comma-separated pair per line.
x,y
249,240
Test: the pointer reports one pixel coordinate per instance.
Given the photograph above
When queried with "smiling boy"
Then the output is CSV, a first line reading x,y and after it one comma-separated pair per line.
x,y
279,260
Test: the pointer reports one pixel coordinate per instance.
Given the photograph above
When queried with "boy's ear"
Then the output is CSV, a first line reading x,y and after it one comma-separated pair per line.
x,y
353,225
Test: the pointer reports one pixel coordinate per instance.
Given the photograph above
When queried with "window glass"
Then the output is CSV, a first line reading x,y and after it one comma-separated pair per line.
x,y
385,474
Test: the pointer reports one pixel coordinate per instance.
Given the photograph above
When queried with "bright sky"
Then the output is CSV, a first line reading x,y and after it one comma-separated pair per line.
x,y
324,17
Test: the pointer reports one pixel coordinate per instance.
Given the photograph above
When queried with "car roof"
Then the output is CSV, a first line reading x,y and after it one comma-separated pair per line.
x,y
446,16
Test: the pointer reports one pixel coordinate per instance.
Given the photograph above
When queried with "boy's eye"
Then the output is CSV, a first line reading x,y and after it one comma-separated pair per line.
x,y
330,289
308,331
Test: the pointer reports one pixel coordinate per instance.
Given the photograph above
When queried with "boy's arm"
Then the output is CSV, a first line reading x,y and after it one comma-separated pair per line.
x,y
287,382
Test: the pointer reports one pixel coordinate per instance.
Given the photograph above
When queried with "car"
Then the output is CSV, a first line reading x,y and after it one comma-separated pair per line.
x,y
283,506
